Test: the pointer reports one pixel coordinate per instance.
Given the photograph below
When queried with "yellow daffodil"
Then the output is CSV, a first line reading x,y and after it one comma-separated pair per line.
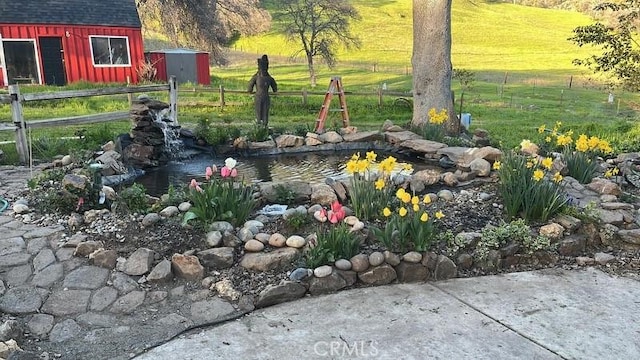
x,y
557,177
530,164
355,156
426,200
582,144
547,139
400,193
416,207
437,118
547,163
497,165
593,143
564,140
439,215
379,184
611,172
415,200
424,217
371,156
362,166
406,198
402,211
407,167
352,166
541,128
538,175
386,212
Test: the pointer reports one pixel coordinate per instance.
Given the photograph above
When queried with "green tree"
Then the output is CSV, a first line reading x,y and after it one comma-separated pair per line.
x,y
431,61
204,24
320,27
617,40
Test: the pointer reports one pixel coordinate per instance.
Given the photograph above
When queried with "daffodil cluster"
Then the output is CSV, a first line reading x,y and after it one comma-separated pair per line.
x,y
437,118
370,179
409,225
529,186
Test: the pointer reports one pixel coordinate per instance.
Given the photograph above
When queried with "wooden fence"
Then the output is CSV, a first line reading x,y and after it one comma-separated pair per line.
x,y
20,125
303,94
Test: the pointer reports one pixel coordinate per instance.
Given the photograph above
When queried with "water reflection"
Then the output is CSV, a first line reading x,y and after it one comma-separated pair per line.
x,y
309,167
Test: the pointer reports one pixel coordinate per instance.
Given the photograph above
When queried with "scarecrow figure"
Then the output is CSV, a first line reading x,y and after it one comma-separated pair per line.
x,y
262,81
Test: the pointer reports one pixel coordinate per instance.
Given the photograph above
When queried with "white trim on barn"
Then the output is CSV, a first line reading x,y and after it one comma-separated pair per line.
x,y
36,59
93,59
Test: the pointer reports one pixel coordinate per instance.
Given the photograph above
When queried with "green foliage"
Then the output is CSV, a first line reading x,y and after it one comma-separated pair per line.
x,y
428,131
219,199
46,148
338,242
588,214
580,165
173,197
258,133
297,220
516,231
284,194
134,198
526,191
464,77
619,55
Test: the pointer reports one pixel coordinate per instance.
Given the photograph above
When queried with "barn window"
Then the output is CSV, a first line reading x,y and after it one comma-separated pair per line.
x,y
110,50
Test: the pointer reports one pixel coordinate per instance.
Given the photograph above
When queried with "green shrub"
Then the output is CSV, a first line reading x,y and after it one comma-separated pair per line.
x,y
134,198
284,194
297,220
517,231
338,242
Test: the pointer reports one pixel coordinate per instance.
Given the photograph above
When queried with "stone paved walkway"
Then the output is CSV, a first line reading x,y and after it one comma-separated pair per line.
x,y
58,305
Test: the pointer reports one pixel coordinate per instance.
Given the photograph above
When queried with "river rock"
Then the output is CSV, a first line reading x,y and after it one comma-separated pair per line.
x,y
604,258
323,194
343,264
408,272
289,140
217,258
412,257
253,246
375,258
480,166
150,219
327,284
445,268
184,206
296,241
322,271
359,262
277,240
330,137
169,211
552,231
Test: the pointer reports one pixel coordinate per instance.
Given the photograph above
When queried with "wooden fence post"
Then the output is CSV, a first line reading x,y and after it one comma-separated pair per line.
x,y
304,97
173,99
380,97
18,121
129,95
221,97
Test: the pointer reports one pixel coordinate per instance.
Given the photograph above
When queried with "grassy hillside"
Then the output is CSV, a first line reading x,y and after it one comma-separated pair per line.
x,y
486,37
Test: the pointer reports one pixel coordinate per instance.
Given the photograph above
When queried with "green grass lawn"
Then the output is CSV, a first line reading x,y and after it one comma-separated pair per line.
x,y
522,80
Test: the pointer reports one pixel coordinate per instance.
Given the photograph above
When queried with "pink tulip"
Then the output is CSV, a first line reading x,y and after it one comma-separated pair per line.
x,y
193,184
234,172
199,189
208,173
214,169
225,172
338,211
333,217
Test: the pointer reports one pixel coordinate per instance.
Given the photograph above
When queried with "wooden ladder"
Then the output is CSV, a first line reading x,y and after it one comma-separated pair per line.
x,y
334,86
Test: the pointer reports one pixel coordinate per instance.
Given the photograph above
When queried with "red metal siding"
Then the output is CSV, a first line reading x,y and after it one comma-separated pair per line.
x,y
1,77
202,68
159,61
77,50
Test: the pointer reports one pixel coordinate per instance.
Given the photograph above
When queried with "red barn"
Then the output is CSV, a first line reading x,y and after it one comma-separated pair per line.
x,y
61,41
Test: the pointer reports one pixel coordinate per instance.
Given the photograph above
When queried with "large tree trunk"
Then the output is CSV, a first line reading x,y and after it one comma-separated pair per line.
x,y
431,62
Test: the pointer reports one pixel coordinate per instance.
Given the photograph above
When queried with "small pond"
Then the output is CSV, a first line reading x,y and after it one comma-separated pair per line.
x,y
312,167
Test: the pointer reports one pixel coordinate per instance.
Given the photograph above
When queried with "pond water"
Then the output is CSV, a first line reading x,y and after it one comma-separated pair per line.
x,y
309,167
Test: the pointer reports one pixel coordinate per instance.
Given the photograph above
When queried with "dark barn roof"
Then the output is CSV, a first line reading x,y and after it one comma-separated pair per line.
x,y
72,12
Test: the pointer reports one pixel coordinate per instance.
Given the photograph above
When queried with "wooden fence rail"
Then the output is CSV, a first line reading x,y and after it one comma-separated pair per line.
x,y
380,93
20,125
